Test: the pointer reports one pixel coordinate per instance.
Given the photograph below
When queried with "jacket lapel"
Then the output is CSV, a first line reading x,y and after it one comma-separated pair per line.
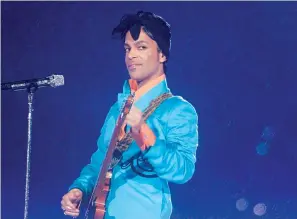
x,y
143,102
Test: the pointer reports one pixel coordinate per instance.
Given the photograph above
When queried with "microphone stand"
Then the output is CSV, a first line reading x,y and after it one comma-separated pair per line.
x,y
31,86
31,90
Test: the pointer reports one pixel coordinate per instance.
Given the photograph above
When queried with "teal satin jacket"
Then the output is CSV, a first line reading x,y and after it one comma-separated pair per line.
x,y
172,157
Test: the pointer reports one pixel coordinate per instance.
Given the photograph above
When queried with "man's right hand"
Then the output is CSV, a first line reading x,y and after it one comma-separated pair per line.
x,y
70,201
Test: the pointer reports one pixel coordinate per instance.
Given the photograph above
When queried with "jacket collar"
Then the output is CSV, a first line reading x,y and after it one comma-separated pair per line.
x,y
147,93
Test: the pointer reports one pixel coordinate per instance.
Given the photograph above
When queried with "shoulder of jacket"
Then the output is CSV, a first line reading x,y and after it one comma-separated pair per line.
x,y
178,102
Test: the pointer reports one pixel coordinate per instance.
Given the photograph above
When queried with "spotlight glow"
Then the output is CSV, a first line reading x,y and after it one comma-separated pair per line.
x,y
242,204
260,209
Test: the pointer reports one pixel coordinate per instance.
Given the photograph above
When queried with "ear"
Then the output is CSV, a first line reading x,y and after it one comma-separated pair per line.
x,y
162,57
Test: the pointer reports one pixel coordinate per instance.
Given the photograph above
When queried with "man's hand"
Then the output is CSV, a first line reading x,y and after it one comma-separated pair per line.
x,y
134,119
70,201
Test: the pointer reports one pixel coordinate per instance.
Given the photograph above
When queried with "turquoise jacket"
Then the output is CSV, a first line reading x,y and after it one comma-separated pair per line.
x,y
173,157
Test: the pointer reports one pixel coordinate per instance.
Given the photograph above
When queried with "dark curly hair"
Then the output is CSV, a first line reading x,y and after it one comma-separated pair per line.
x,y
153,25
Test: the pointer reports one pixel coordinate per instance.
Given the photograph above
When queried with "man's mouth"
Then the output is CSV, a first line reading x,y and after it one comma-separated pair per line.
x,y
133,66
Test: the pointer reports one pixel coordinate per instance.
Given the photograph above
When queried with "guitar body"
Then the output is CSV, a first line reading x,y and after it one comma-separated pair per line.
x,y
96,207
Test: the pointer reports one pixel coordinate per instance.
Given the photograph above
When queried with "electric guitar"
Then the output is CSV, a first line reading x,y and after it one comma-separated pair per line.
x,y
96,206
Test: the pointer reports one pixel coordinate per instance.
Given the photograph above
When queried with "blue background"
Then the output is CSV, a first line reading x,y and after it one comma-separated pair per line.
x,y
236,62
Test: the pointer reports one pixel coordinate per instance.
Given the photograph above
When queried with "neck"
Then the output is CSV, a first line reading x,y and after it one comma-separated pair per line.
x,y
146,80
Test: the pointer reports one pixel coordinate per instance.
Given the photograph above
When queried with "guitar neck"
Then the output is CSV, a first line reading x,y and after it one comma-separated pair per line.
x,y
101,189
108,157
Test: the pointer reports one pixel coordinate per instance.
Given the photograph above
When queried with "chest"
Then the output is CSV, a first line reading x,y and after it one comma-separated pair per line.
x,y
156,121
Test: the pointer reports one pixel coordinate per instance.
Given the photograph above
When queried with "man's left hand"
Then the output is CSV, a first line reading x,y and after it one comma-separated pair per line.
x,y
135,120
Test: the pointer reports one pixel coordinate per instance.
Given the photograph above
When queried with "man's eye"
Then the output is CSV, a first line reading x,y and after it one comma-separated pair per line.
x,y
142,47
127,49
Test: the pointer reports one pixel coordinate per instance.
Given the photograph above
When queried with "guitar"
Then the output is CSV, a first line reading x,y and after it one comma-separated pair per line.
x,y
96,206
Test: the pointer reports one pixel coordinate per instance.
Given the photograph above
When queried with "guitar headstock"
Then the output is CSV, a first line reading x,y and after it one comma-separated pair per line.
x,y
127,106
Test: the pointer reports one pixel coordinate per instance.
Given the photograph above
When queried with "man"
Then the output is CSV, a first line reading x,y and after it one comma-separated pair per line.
x,y
167,140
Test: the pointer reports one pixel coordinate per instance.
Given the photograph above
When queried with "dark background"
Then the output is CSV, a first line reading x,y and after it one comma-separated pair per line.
x,y
235,62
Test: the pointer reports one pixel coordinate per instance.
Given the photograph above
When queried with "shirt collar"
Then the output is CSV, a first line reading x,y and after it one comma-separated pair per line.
x,y
145,88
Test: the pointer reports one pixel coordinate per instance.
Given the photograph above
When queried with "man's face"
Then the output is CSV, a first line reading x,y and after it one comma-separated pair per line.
x,y
143,60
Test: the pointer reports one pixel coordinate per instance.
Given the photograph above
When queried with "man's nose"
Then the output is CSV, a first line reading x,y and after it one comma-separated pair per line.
x,y
132,53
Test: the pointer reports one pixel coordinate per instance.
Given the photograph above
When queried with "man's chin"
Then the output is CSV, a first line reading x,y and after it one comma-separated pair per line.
x,y
135,76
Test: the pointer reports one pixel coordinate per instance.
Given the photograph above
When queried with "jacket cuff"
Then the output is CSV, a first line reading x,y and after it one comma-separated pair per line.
x,y
145,138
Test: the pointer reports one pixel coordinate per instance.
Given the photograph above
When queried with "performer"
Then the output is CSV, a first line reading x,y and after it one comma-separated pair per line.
x,y
164,146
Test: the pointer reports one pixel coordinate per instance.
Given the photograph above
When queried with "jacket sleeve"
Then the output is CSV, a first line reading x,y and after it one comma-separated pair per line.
x,y
88,175
173,154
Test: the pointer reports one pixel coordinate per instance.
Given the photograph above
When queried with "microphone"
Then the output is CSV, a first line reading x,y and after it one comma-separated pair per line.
x,y
50,81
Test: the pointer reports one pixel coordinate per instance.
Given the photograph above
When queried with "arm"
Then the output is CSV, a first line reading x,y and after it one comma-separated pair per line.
x,y
173,154
88,175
